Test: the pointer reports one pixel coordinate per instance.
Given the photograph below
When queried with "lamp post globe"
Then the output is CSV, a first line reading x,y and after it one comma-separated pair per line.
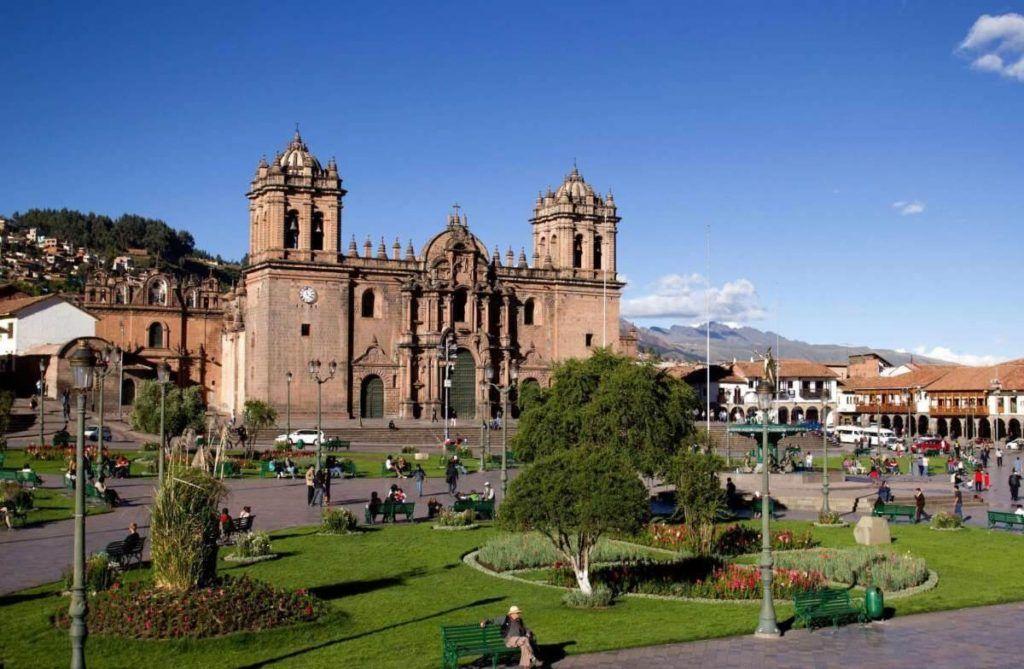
x,y
83,364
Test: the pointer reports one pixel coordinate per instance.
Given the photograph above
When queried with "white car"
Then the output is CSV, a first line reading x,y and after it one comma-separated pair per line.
x,y
301,437
1015,445
92,433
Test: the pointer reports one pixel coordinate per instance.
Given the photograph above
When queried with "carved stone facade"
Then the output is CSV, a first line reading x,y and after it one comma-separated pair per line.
x,y
383,316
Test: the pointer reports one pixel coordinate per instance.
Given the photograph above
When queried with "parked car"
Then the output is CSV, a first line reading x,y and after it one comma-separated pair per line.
x,y
930,446
92,433
1015,445
301,438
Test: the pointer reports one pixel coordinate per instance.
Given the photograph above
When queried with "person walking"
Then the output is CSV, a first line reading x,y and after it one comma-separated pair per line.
x,y
418,475
1014,483
451,477
65,404
919,501
325,478
999,457
310,485
958,502
1016,464
920,465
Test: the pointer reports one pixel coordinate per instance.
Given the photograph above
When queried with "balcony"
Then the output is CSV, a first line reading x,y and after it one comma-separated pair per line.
x,y
882,407
966,412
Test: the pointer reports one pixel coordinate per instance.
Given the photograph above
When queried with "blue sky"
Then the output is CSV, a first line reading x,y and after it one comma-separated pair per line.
x,y
859,163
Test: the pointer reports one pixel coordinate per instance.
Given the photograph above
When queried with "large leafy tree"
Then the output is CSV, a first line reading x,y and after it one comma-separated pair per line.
x,y
700,496
257,415
574,497
609,400
184,409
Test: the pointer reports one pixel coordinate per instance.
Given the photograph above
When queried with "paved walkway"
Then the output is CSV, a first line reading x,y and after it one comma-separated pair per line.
x,y
44,551
980,638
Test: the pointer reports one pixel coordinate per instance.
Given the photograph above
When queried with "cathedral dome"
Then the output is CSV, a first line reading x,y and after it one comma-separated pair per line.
x,y
575,187
297,156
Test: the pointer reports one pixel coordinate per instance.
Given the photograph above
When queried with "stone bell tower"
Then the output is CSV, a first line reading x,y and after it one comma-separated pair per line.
x,y
295,207
574,229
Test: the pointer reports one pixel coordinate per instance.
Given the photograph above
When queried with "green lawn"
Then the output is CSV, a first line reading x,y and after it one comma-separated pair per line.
x,y
50,505
390,589
16,459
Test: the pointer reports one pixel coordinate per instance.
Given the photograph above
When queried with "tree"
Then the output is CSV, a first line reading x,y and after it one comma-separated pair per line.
x,y
574,498
184,408
257,415
700,495
6,401
608,400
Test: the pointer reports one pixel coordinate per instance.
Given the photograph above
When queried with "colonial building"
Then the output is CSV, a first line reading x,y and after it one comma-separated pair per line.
x,y
386,316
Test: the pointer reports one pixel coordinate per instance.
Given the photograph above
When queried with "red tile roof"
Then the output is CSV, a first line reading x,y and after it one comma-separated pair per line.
x,y
789,368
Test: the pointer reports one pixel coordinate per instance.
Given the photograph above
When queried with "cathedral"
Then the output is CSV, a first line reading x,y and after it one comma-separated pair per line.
x,y
400,326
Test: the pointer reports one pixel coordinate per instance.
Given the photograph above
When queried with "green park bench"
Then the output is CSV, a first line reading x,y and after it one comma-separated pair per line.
x,y
228,469
124,555
465,641
391,509
29,477
8,475
757,506
483,508
337,444
91,493
1007,518
828,605
894,511
348,468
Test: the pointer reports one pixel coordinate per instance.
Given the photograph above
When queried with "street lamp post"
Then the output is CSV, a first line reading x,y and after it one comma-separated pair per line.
x,y
447,347
42,400
103,369
163,374
288,410
767,626
314,373
824,457
503,390
82,363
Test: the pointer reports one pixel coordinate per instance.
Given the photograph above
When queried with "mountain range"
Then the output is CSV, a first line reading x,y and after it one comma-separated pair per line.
x,y
682,342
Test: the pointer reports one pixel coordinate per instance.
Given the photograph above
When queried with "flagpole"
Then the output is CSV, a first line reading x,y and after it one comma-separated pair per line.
x,y
707,325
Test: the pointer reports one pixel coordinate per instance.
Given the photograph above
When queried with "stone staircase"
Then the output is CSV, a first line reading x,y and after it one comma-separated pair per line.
x,y
383,438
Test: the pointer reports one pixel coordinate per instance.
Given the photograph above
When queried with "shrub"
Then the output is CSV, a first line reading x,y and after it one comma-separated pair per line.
x,y
22,498
100,574
529,550
701,498
601,597
946,521
184,409
829,518
184,530
144,465
338,521
449,518
252,544
859,566
151,446
141,611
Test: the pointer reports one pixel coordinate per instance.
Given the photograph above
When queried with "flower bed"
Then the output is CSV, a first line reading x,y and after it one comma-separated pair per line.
x,y
47,452
455,520
859,566
140,611
733,540
338,521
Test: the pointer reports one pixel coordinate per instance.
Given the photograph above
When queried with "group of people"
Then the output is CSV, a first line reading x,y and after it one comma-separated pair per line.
x,y
318,486
283,468
224,519
96,480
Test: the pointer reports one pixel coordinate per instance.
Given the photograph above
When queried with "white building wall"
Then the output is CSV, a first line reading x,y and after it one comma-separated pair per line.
x,y
8,336
51,322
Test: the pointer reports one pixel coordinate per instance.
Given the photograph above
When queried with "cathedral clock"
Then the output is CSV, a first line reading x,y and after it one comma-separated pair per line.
x,y
307,294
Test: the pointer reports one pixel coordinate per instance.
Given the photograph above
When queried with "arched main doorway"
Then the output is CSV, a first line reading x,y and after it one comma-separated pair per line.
x,y
886,423
942,427
897,425
922,424
796,416
463,391
783,415
984,429
371,397
955,430
1013,429
812,415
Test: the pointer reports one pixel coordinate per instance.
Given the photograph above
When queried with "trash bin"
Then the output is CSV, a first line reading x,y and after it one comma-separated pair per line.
x,y
874,603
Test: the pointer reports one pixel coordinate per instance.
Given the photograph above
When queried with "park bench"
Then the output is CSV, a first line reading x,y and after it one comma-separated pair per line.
x,y
757,505
91,493
893,511
337,444
236,526
29,477
390,509
123,555
19,515
829,605
228,469
1007,518
8,475
278,468
464,641
483,508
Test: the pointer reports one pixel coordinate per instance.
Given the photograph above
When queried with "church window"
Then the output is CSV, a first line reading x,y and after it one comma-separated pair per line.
x,y
157,336
528,309
158,292
589,340
291,230
119,296
368,304
317,238
577,251
598,252
304,329
459,306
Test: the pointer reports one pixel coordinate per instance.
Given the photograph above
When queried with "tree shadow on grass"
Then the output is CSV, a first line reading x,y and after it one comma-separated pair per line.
x,y
18,598
388,628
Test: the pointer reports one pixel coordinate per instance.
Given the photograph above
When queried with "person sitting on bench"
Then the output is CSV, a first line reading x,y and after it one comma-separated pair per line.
x,y
224,520
374,506
121,467
488,492
133,538
109,495
516,635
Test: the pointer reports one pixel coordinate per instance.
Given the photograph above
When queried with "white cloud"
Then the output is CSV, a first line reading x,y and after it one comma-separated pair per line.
x,y
947,354
911,208
679,296
996,44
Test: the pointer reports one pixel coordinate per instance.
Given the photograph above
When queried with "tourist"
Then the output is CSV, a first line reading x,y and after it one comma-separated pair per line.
x,y
451,477
289,467
224,522
999,457
730,492
373,507
919,502
122,466
488,492
920,465
419,475
958,502
1016,464
1014,484
924,466
7,509
318,488
1019,511
398,496
402,468
65,404
884,493
325,486
433,416
389,465
133,538
977,480
433,507
246,512
516,635
986,480
809,461
310,485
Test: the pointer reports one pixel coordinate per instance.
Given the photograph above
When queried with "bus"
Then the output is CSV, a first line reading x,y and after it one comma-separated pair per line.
x,y
876,436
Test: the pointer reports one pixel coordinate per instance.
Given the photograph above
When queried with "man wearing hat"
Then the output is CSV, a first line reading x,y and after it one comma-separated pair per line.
x,y
488,492
516,635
